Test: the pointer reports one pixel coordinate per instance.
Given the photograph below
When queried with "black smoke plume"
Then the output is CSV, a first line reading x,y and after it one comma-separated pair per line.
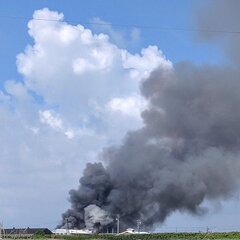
x,y
188,150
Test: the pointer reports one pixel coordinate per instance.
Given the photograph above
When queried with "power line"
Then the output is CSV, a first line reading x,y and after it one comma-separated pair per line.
x,y
147,27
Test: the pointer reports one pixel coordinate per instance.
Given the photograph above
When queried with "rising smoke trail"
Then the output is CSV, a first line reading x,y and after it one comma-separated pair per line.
x,y
188,150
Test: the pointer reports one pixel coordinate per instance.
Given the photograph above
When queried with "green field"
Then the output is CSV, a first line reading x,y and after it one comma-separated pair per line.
x,y
229,235
155,236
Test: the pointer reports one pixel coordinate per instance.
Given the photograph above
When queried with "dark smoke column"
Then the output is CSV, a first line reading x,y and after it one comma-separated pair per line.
x,y
188,151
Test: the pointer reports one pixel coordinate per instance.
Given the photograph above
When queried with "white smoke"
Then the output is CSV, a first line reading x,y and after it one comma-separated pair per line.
x,y
95,215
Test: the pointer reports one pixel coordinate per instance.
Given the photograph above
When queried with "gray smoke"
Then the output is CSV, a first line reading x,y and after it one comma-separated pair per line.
x,y
188,150
94,214
222,16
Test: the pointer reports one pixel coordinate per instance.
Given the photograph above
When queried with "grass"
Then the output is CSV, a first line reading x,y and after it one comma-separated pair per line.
x,y
156,236
174,236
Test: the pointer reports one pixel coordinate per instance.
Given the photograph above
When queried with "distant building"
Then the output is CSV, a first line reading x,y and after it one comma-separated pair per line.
x,y
131,231
24,232
62,231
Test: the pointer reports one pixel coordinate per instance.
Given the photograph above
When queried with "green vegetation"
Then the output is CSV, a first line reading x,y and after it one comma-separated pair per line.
x,y
41,234
194,236
155,236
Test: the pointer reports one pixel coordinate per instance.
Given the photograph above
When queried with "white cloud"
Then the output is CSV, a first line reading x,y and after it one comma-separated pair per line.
x,y
70,134
89,97
135,34
142,65
90,66
131,106
122,38
53,121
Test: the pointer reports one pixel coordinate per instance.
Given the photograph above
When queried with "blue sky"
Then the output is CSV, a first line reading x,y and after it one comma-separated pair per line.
x,y
176,45
41,119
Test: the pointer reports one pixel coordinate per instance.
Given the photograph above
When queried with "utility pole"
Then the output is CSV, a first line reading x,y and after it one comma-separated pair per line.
x,y
118,223
139,222
1,231
68,233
